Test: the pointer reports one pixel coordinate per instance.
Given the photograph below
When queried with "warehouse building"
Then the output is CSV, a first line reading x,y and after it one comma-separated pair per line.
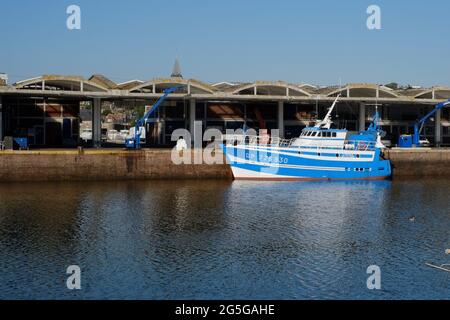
x,y
46,109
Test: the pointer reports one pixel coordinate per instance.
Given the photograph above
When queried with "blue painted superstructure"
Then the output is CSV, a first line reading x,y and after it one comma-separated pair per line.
x,y
319,153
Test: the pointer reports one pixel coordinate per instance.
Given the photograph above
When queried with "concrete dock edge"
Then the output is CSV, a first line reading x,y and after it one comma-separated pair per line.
x,y
115,164
58,165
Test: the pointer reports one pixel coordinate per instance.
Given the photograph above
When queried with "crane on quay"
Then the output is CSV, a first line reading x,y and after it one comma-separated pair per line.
x,y
413,141
135,141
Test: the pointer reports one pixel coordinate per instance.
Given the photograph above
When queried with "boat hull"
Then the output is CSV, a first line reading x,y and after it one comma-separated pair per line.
x,y
295,164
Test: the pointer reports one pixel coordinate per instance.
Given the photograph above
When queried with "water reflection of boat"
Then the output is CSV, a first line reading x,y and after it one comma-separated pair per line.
x,y
320,153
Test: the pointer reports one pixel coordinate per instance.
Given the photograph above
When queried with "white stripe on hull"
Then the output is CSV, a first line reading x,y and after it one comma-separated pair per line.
x,y
240,173
233,160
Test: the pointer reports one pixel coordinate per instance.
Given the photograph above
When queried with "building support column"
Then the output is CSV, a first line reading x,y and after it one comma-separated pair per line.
x,y
97,123
362,117
438,128
1,120
192,104
280,118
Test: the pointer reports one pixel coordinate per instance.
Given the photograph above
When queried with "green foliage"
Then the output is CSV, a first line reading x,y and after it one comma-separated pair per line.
x,y
138,112
106,112
85,105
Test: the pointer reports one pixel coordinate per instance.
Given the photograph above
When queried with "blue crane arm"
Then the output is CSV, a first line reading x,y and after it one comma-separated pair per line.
x,y
152,110
419,124
155,107
439,106
135,142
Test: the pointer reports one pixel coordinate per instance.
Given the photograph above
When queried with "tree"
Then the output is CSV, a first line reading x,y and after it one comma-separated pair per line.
x,y
138,113
106,112
392,85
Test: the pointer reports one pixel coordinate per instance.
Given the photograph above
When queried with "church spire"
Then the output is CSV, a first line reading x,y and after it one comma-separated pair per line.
x,y
176,71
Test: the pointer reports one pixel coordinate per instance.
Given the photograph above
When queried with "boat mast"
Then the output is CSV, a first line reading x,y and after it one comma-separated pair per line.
x,y
326,122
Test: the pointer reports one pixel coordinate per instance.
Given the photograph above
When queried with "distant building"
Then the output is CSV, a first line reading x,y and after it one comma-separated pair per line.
x,y
119,118
3,79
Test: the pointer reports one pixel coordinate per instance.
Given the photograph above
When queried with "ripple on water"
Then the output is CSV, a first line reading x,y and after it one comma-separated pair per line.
x,y
223,240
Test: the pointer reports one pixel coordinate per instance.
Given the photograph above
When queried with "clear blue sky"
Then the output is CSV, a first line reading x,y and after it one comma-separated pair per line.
x,y
318,41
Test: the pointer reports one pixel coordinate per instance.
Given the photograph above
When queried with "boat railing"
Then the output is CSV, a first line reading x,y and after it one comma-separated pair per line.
x,y
258,140
359,145
355,145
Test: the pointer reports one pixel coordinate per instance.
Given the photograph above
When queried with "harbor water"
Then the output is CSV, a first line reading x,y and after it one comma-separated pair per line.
x,y
219,239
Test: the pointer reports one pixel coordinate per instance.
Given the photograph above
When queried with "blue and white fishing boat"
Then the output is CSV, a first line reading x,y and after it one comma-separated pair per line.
x,y
319,153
